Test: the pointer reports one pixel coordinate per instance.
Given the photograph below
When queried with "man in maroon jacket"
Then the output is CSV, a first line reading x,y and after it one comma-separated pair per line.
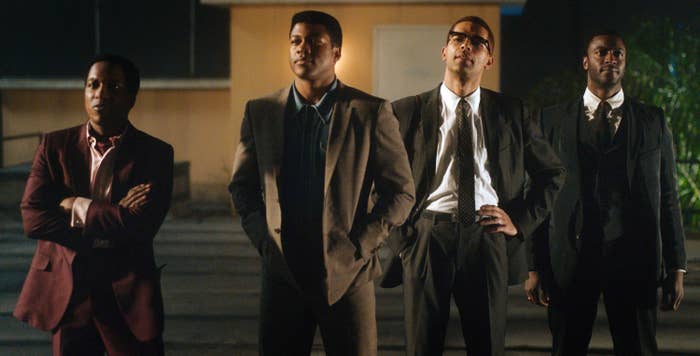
x,y
96,195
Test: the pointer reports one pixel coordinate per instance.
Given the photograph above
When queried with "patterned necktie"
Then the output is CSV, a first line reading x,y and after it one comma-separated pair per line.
x,y
604,132
465,159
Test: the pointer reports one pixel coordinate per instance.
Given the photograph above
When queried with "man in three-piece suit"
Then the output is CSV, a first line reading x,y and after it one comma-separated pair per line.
x,y
96,195
308,157
616,226
471,150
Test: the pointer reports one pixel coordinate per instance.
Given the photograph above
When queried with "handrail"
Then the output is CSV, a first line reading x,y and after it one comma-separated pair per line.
x,y
21,136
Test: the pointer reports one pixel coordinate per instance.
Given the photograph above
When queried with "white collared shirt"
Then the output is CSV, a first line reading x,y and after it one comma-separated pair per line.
x,y
444,197
591,102
101,172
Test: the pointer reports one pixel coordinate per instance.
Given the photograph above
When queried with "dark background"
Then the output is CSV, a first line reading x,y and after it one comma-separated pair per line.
x,y
55,38
546,37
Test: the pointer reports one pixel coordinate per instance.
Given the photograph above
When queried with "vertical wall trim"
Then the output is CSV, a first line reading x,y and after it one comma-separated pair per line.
x,y
193,30
98,45
2,141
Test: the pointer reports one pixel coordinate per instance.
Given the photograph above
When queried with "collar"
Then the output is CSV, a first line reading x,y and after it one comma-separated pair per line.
x,y
590,101
323,106
450,99
93,137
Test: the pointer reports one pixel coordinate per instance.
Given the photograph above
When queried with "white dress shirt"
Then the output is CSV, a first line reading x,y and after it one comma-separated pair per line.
x,y
444,198
590,104
101,172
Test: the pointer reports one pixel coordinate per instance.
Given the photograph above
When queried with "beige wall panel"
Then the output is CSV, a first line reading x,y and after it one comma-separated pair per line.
x,y
196,122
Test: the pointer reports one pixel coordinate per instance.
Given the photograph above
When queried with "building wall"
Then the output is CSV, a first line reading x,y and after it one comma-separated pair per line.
x,y
259,43
203,125
196,122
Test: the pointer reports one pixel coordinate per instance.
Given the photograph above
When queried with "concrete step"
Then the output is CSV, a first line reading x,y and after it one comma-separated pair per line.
x,y
211,291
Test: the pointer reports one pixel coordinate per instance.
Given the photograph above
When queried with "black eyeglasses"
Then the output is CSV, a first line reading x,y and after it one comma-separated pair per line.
x,y
460,37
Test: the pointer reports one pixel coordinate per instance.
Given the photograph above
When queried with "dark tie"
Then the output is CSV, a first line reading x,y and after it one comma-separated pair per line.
x,y
465,159
605,127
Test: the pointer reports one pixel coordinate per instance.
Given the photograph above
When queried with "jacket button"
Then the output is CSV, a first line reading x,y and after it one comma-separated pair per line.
x,y
278,230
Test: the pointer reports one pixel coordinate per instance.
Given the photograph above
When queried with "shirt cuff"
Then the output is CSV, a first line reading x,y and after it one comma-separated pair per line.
x,y
79,211
682,270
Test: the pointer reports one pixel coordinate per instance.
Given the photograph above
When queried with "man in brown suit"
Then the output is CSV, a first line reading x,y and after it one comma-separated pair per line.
x,y
96,195
308,158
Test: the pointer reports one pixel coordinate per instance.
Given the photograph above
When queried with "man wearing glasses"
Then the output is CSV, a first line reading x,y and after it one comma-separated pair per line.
x,y
470,150
616,228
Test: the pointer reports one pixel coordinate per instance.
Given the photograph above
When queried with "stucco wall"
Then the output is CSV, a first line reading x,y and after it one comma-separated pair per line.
x,y
259,43
196,122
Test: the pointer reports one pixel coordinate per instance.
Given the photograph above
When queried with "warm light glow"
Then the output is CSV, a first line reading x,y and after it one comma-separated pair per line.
x,y
341,66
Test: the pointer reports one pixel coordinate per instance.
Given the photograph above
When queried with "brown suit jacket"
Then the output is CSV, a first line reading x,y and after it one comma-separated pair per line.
x,y
61,169
364,149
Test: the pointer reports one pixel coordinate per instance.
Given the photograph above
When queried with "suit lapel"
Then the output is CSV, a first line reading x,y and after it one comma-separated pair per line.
x,y
631,131
567,133
493,124
275,120
342,113
428,127
80,170
125,152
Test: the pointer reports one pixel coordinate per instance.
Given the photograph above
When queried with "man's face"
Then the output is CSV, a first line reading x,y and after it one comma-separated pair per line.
x,y
467,51
311,54
605,61
107,100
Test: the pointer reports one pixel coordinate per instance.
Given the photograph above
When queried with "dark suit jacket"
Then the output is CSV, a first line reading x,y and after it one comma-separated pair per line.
x,y
364,149
515,149
653,232
61,169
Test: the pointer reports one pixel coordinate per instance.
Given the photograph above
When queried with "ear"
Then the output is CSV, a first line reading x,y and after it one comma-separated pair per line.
x,y
443,54
489,62
336,54
585,63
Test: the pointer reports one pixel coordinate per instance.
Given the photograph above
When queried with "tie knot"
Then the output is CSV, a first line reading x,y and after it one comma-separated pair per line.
x,y
604,109
463,109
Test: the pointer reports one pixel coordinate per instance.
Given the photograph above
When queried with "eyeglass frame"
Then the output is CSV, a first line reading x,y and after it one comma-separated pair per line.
x,y
480,40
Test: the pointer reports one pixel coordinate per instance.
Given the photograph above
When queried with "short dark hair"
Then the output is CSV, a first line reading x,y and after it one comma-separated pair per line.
x,y
481,22
314,17
599,32
131,72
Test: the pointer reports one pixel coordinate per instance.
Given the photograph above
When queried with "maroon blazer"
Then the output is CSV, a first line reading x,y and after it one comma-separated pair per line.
x,y
61,169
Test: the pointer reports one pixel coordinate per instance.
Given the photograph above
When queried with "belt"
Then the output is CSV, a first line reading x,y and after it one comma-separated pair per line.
x,y
437,217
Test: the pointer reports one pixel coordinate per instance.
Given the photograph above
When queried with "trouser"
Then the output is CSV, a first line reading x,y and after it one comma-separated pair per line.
x,y
94,325
630,306
293,303
448,259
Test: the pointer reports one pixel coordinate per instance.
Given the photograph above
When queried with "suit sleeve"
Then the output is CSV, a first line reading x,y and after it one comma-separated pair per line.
x,y
547,175
245,189
41,217
672,235
393,183
537,246
124,225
